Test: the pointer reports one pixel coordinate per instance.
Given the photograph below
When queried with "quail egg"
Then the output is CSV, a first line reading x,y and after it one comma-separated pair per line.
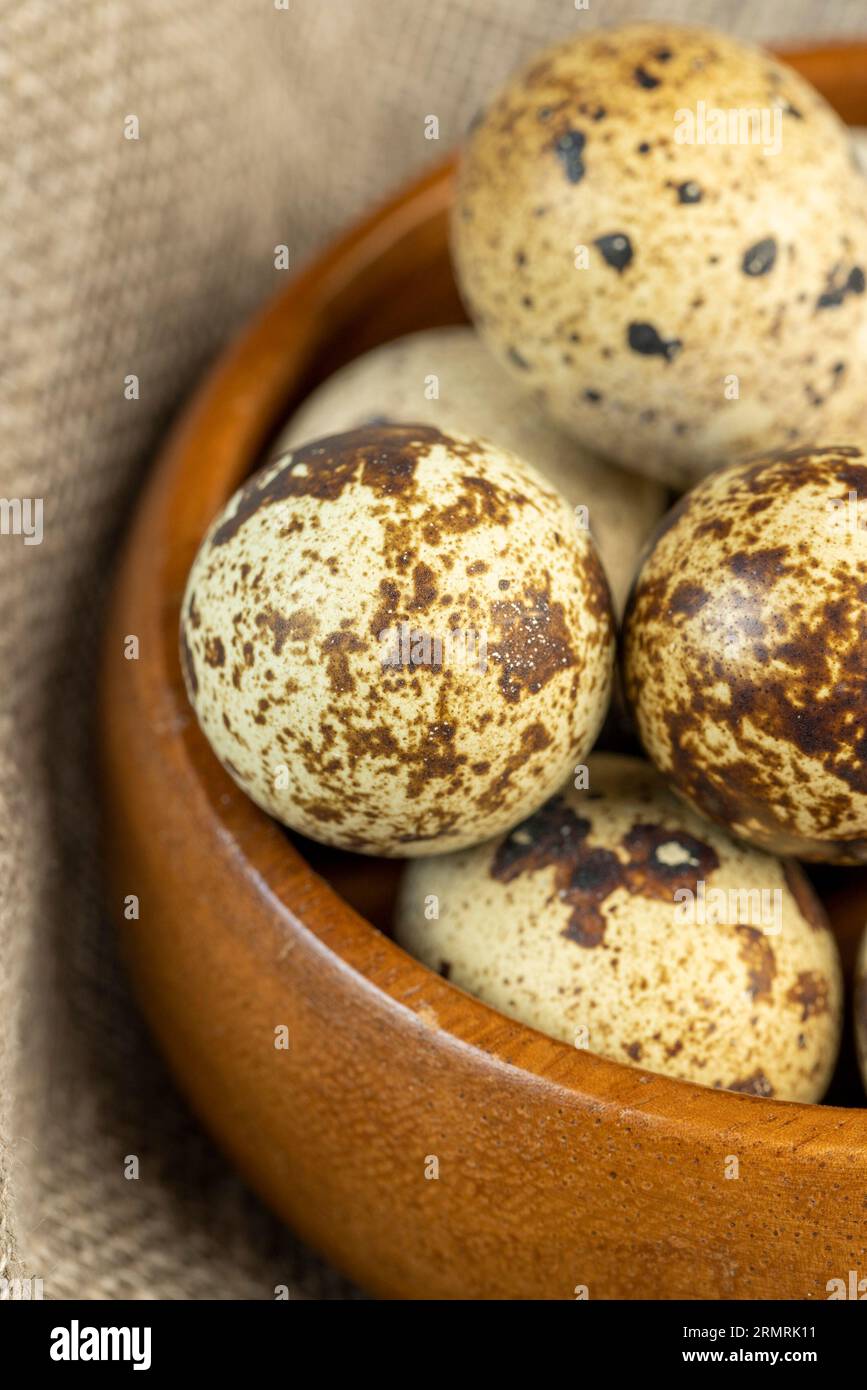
x,y
616,919
859,147
745,651
661,232
861,1008
447,377
398,640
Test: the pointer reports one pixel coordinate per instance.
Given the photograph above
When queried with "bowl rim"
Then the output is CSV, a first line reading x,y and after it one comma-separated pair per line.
x,y
215,444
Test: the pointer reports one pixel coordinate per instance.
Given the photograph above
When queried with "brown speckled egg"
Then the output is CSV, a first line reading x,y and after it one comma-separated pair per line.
x,y
860,1008
676,305
447,377
398,641
745,651
617,920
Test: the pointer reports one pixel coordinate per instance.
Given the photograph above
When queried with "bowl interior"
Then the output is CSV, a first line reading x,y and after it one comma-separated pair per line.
x,y
421,293
388,277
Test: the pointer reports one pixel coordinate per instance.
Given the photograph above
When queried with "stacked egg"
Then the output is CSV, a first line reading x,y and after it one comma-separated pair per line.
x,y
400,636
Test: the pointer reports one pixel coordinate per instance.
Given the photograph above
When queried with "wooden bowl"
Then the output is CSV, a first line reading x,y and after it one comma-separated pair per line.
x,y
557,1169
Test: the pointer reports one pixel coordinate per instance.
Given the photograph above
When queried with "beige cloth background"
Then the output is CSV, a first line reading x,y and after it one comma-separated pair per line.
x,y
257,126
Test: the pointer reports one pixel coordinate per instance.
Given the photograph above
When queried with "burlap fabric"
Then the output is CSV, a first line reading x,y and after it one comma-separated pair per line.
x,y
257,126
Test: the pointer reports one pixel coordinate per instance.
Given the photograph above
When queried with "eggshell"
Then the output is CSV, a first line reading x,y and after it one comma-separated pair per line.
x,y
676,305
447,377
745,651
296,604
571,923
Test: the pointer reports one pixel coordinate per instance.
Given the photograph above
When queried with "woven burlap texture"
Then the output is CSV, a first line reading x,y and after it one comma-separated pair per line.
x,y
258,125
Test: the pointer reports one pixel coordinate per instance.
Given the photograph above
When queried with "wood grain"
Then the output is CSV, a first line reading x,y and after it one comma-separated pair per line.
x,y
556,1168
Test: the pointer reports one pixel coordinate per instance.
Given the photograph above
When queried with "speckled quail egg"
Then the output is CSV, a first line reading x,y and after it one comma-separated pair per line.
x,y
398,640
447,377
745,651
661,232
861,1008
616,919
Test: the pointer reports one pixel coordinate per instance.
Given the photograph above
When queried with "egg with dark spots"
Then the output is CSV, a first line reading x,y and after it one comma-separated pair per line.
x,y
858,135
352,655
447,377
706,240
860,1008
745,651
616,919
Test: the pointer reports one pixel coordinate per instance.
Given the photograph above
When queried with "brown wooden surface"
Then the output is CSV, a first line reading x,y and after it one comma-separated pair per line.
x,y
557,1168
